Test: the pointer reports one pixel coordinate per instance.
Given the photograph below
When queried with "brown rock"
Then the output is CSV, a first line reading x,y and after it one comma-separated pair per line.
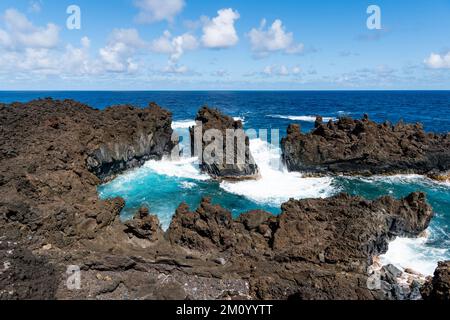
x,y
363,147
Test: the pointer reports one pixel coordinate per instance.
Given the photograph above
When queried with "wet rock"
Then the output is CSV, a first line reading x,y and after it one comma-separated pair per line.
x,y
240,164
438,287
363,147
140,135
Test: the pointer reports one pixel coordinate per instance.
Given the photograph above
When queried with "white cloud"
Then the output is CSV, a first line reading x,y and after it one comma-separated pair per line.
x,y
117,54
175,69
77,60
273,39
282,70
220,31
20,33
158,10
175,47
438,61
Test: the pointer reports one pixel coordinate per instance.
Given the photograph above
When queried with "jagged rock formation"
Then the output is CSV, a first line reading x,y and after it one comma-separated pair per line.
x,y
316,249
55,153
221,167
144,226
438,287
363,147
51,218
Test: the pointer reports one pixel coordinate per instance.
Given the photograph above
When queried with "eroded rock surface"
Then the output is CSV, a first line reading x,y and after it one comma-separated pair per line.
x,y
51,219
363,147
55,153
316,248
438,287
240,164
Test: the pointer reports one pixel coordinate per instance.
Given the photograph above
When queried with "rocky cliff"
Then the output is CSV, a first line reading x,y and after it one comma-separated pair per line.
x,y
363,147
51,220
240,164
55,153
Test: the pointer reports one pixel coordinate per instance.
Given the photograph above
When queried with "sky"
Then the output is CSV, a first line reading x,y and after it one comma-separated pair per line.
x,y
224,45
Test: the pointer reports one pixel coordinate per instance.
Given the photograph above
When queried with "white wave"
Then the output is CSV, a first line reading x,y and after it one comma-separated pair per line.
x,y
183,124
276,185
187,185
302,118
414,254
242,119
185,168
188,123
404,179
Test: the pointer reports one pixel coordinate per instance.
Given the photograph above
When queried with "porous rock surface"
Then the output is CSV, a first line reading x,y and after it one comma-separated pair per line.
x,y
220,167
363,147
51,219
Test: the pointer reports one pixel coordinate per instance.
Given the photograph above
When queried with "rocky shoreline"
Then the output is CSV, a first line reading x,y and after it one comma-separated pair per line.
x,y
363,147
54,154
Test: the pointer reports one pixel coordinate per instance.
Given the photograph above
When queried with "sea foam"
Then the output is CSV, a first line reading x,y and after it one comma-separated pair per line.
x,y
414,254
184,168
183,124
276,185
302,118
188,123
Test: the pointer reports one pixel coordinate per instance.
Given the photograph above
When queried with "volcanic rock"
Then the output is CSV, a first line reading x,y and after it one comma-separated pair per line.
x,y
438,287
363,147
240,163
317,248
51,162
53,155
144,226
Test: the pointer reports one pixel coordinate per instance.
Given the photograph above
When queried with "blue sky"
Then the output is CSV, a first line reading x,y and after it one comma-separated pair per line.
x,y
220,45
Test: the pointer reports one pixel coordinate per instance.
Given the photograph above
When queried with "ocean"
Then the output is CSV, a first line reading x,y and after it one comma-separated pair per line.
x,y
163,185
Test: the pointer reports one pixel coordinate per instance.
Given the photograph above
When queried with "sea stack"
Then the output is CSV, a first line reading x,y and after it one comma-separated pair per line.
x,y
211,123
363,147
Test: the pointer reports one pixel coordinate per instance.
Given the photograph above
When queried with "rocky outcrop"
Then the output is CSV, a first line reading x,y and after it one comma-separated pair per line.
x,y
239,164
144,226
51,219
130,136
438,287
55,153
363,147
315,249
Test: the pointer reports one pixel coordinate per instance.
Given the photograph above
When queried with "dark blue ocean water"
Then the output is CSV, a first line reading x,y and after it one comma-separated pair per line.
x,y
432,108
163,185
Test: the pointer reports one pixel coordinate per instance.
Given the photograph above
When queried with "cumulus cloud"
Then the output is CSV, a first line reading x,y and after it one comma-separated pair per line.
x,y
175,47
438,61
19,33
273,39
158,10
117,54
220,32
